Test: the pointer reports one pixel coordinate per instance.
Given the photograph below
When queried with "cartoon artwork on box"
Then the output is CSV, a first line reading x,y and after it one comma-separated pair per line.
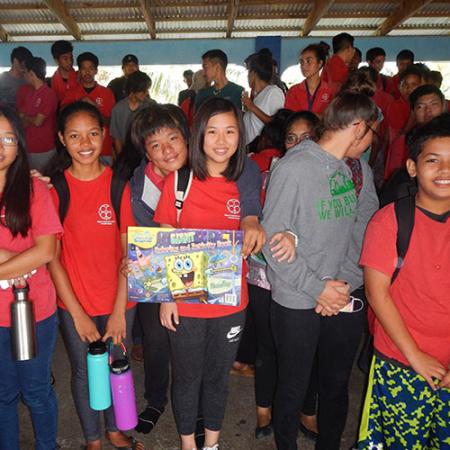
x,y
184,265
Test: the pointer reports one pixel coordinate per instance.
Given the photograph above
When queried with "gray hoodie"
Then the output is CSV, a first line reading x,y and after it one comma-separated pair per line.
x,y
310,193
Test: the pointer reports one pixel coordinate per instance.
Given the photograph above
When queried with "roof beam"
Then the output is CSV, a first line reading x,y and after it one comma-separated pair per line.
x,y
148,17
233,6
319,9
60,11
3,34
407,9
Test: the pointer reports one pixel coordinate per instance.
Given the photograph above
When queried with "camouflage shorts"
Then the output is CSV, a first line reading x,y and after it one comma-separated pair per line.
x,y
401,412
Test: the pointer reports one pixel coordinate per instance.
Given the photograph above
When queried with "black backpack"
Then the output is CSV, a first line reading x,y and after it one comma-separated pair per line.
x,y
62,188
182,185
404,213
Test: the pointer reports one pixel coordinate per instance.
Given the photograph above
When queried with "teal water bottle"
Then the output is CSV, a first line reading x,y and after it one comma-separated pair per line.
x,y
98,376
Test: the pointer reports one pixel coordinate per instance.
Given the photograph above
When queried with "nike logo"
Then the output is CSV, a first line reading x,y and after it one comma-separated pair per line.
x,y
234,332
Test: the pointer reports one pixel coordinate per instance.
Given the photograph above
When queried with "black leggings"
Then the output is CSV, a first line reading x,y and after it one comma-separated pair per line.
x,y
298,335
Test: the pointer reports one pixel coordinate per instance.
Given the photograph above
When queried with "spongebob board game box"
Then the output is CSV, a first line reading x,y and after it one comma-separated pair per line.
x,y
185,265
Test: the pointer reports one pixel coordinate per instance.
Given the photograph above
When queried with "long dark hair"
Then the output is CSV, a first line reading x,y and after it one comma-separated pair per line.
x,y
62,160
197,158
15,199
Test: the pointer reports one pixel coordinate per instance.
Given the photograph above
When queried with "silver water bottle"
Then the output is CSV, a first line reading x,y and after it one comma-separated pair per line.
x,y
23,326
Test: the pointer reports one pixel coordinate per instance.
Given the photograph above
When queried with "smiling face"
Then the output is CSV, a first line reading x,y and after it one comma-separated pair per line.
x,y
167,150
432,170
83,138
220,142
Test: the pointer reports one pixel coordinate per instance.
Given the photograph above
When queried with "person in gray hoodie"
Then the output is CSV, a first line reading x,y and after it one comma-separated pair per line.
x,y
312,194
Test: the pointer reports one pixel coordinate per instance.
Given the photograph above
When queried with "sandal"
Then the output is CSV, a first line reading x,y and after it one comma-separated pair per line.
x,y
135,444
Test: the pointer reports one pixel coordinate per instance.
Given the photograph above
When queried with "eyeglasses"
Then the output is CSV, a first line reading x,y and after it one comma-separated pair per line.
x,y
294,139
9,141
369,128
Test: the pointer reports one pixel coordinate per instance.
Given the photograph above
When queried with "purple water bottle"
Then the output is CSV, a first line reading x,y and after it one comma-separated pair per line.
x,y
122,390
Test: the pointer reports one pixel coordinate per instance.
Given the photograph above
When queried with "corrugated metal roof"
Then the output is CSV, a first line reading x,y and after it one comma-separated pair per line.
x,y
115,19
417,32
262,24
192,35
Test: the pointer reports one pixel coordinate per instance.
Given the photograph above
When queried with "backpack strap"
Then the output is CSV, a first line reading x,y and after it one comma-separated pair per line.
x,y
182,185
62,188
117,187
404,213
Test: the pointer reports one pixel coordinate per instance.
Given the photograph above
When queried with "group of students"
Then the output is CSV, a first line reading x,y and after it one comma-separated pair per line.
x,y
306,288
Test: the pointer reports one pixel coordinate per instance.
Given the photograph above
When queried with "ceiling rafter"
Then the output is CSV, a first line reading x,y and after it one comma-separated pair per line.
x,y
407,9
148,17
319,9
60,11
3,34
233,6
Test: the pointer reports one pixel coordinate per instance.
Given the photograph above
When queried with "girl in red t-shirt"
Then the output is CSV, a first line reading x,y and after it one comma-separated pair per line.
x,y
28,225
204,338
91,290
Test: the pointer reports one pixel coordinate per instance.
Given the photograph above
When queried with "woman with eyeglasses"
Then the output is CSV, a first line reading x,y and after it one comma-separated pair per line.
x,y
29,224
311,94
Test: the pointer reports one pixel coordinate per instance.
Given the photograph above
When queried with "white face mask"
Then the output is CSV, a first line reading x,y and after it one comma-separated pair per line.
x,y
354,305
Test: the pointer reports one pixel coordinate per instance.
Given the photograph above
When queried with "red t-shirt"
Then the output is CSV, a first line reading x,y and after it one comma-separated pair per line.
x,y
205,208
264,160
44,221
32,102
335,72
104,99
62,86
397,115
297,99
421,289
396,156
394,87
91,248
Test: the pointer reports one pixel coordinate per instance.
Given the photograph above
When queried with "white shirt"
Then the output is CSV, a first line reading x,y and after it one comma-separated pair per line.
x,y
269,100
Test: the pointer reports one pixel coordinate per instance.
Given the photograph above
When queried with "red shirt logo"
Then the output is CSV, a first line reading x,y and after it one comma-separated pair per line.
x,y
233,209
105,214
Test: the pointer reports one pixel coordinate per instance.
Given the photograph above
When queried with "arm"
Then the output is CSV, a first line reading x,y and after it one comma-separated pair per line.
x,y
249,186
116,324
84,325
42,252
259,113
377,290
281,210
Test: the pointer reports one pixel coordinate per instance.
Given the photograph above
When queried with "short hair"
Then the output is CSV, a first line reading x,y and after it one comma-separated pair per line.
x,y
439,127
425,89
21,54
188,73
261,63
405,55
411,70
153,118
197,158
37,65
320,50
87,56
217,56
137,82
342,41
434,77
347,107
374,52
358,52
60,48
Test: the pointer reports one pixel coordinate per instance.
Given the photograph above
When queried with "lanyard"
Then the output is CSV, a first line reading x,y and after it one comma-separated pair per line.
x,y
310,99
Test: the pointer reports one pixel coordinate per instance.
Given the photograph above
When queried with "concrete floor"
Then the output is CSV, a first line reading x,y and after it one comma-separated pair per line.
x,y
238,429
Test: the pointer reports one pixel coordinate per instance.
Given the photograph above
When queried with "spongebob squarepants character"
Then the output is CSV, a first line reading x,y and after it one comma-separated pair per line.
x,y
186,276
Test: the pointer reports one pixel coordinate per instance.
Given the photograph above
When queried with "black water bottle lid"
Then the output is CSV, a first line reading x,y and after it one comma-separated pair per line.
x,y
119,366
97,348
21,292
